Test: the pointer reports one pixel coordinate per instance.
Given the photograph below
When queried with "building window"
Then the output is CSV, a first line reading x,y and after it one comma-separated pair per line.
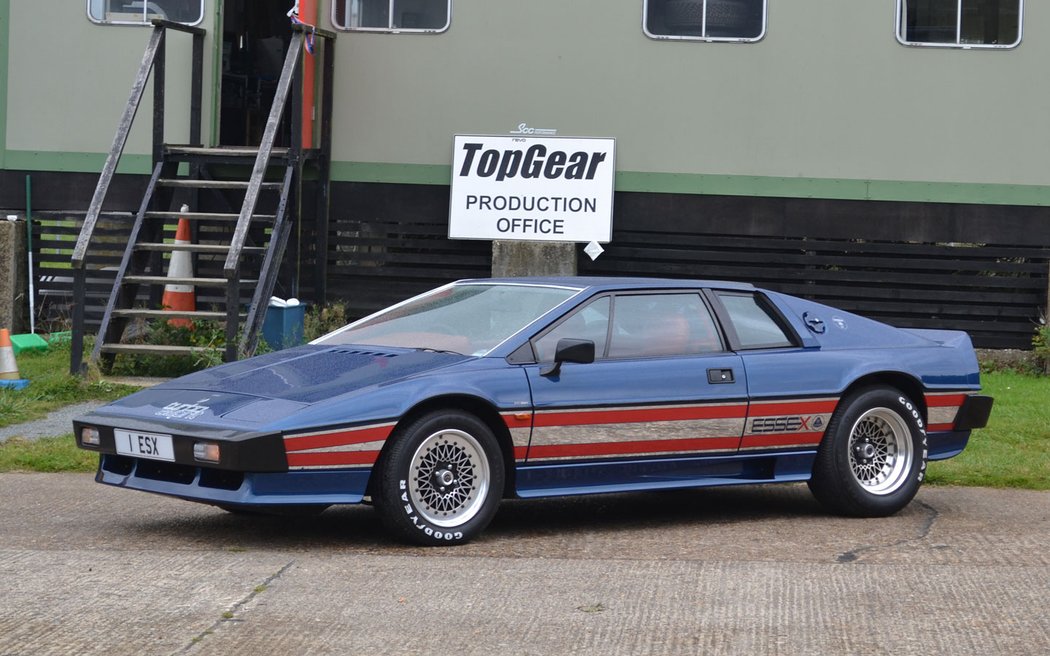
x,y
392,15
960,23
141,12
705,20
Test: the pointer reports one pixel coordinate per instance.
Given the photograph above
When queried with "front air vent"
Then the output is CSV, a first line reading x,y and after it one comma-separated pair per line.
x,y
371,354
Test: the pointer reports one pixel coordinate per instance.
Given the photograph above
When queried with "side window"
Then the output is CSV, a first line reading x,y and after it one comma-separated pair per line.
x,y
755,325
705,20
653,325
392,15
141,12
960,23
589,322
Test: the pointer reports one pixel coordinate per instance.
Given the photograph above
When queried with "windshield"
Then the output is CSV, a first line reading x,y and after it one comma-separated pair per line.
x,y
470,319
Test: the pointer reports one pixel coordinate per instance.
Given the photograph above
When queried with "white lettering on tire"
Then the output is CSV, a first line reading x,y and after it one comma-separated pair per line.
x,y
420,523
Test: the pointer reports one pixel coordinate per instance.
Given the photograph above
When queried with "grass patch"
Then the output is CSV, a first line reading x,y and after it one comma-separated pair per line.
x,y
51,387
50,454
1014,449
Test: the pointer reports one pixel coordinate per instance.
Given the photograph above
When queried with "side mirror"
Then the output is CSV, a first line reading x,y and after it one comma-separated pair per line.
x,y
580,351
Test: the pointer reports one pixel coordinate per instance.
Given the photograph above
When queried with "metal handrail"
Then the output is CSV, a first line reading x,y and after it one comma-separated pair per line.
x,y
262,160
152,60
124,129
290,72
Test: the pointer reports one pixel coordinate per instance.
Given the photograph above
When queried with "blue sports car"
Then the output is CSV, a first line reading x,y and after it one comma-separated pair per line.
x,y
438,407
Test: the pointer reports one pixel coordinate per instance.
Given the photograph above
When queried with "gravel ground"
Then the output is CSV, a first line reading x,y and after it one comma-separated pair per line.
x,y
59,422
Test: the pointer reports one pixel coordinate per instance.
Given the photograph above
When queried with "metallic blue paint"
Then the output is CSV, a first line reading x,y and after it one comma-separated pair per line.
x,y
317,387
948,444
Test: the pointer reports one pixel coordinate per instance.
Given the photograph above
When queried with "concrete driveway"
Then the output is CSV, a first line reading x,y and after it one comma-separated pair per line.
x,y
86,569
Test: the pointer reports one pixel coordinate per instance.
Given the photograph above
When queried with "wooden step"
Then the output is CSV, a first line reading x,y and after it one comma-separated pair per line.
x,y
189,183
222,154
206,216
196,282
154,349
173,314
197,248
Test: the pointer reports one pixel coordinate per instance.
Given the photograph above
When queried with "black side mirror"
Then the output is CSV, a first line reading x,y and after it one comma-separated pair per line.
x,y
580,351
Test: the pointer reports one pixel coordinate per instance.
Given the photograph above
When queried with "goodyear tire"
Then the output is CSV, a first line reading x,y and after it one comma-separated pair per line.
x,y
441,480
872,459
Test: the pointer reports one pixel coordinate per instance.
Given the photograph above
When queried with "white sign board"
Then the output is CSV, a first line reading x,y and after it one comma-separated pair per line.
x,y
532,188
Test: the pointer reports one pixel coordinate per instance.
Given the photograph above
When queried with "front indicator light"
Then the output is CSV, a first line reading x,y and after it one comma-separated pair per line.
x,y
206,452
89,436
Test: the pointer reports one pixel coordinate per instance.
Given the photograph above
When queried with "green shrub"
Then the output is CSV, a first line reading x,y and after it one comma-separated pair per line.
x,y
1041,346
323,320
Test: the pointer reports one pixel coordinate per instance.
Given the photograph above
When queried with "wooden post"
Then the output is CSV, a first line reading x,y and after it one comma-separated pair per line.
x,y
517,259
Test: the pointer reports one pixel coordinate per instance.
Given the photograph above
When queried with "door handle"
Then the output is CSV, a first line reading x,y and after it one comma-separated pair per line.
x,y
720,376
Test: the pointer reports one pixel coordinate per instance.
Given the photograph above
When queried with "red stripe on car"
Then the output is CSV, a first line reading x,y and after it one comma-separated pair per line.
x,y
780,439
332,458
779,408
944,400
337,438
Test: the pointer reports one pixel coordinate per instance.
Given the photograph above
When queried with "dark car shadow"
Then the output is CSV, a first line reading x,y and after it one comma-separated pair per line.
x,y
359,529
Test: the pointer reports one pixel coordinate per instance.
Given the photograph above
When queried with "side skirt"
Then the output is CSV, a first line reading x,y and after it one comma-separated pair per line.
x,y
592,477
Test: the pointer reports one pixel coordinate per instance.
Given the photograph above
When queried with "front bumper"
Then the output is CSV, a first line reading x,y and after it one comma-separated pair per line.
x,y
234,488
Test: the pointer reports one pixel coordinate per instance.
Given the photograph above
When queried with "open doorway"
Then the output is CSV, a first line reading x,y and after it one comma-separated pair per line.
x,y
255,37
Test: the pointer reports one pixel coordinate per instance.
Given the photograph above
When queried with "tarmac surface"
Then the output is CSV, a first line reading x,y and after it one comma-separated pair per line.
x,y
88,569
58,422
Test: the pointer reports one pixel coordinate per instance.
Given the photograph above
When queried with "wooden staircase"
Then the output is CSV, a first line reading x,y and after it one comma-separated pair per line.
x,y
251,196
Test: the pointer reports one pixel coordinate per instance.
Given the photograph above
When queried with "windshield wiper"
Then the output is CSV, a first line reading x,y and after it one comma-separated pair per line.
x,y
434,350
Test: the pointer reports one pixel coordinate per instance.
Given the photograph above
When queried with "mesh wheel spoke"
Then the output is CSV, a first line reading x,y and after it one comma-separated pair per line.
x,y
880,451
450,476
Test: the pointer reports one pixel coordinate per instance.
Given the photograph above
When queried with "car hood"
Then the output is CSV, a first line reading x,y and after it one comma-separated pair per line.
x,y
271,386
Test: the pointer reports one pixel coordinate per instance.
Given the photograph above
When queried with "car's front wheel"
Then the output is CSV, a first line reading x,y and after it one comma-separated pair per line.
x,y
441,480
872,459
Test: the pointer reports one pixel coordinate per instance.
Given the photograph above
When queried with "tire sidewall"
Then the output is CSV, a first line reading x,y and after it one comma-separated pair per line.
x,y
395,502
857,500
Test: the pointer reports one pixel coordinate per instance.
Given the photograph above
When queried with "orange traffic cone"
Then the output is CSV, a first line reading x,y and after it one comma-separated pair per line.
x,y
179,296
8,366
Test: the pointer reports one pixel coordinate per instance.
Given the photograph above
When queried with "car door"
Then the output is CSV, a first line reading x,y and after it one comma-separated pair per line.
x,y
790,402
662,388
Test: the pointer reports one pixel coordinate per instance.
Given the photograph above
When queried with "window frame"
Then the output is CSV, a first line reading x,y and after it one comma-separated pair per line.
x,y
147,20
958,44
604,355
729,326
705,39
390,17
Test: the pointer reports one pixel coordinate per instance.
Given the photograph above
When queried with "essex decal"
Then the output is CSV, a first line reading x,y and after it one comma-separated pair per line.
x,y
787,424
538,188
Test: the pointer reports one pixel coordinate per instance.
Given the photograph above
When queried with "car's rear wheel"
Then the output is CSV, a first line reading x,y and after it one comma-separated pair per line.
x,y
872,459
441,479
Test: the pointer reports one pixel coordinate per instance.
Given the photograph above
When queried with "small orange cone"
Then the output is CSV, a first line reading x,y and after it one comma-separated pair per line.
x,y
8,366
179,296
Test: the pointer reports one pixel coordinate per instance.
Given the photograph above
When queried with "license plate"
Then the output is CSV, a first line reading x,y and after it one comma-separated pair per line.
x,y
144,445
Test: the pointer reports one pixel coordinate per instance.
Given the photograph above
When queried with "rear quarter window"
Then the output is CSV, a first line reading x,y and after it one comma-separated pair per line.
x,y
755,323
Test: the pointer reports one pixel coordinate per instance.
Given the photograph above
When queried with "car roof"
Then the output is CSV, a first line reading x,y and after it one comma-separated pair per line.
x,y
602,283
